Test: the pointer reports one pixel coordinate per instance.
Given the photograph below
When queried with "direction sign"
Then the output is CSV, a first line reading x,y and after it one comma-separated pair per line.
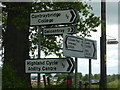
x,y
53,17
90,49
50,65
72,46
59,30
79,47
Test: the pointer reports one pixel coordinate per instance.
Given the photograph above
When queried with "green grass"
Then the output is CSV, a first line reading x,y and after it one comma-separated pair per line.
x,y
114,84
95,86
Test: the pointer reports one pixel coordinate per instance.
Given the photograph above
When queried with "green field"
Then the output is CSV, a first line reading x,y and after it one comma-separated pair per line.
x,y
113,84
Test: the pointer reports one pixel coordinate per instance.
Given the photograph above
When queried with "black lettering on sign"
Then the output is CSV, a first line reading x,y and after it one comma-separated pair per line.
x,y
89,54
53,31
72,43
34,68
77,40
51,62
88,46
70,46
31,63
48,68
46,15
71,39
45,20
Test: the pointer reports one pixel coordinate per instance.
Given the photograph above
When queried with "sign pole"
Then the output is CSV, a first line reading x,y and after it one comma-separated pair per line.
x,y
44,79
69,82
89,73
76,71
39,52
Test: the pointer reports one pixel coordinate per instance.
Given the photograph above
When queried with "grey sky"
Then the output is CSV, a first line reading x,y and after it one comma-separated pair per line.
x,y
111,11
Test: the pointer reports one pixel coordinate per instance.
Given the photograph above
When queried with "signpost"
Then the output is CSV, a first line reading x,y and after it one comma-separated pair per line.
x,y
59,30
53,17
72,46
90,49
50,65
79,47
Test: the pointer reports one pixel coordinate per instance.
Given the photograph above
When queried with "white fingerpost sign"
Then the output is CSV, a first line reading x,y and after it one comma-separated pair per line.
x,y
59,30
53,17
90,49
74,46
49,65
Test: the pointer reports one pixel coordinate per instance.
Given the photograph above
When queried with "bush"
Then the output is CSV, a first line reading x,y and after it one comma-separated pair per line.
x,y
10,79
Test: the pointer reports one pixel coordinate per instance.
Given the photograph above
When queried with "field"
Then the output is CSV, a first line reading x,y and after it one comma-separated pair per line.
x,y
113,84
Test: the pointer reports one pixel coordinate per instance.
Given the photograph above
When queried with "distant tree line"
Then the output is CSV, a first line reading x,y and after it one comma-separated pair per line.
x,y
85,78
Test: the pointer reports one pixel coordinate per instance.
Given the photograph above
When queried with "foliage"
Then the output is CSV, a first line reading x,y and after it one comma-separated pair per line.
x,y
80,76
110,85
112,77
61,78
48,74
85,78
62,85
96,76
10,78
114,84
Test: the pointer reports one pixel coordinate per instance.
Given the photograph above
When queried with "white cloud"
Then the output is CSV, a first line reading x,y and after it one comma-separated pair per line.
x,y
112,63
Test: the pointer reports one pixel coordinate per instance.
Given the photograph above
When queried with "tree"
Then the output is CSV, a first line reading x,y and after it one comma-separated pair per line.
x,y
19,37
80,76
16,45
85,78
97,76
61,78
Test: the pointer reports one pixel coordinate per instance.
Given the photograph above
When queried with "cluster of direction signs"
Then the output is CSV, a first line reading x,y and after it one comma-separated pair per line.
x,y
73,46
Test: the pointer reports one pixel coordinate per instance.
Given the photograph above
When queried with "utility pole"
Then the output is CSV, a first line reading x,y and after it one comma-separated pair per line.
x,y
90,74
103,75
